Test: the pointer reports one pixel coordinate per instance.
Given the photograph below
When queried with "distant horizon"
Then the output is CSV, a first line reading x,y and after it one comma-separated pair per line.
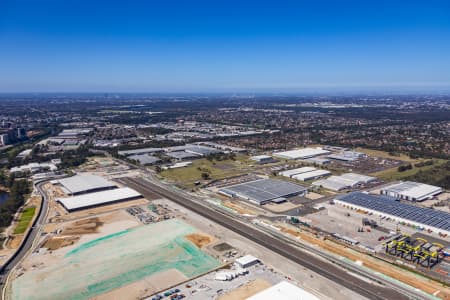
x,y
331,91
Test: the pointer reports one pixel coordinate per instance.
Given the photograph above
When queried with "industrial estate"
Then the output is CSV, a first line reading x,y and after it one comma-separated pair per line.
x,y
173,209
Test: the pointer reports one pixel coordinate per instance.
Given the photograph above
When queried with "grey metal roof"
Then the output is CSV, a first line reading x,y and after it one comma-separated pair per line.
x,y
388,205
264,189
140,151
182,155
201,150
145,159
84,183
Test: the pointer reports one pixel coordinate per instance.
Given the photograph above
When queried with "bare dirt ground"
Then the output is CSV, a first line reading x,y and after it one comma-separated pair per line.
x,y
241,209
247,290
85,226
55,243
274,207
200,240
145,287
15,241
421,283
313,196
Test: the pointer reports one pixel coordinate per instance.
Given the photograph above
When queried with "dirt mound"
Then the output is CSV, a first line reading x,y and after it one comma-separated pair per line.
x,y
199,240
59,242
85,226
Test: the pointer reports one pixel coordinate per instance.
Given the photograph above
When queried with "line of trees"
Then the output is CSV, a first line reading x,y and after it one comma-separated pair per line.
x,y
19,189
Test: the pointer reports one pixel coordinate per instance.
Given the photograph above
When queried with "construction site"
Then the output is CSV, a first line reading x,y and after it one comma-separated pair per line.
x,y
116,214
415,250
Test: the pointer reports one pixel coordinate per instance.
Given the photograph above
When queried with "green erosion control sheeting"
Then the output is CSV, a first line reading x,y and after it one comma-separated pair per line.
x,y
115,260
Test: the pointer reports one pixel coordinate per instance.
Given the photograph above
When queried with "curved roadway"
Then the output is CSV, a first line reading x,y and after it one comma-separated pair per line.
x,y
28,240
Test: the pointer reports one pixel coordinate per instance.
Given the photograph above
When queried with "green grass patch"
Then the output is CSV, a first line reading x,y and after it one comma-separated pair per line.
x,y
384,154
394,174
187,176
24,220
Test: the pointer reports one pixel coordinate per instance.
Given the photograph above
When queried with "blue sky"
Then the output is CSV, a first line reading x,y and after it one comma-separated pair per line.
x,y
214,45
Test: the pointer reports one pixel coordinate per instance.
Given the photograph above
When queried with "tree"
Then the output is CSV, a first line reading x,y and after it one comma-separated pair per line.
x,y
205,175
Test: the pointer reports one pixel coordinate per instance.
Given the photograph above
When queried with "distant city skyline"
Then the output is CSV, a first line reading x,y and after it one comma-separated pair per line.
x,y
224,46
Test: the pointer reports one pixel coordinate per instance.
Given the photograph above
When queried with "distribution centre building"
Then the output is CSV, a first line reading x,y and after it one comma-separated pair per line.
x,y
412,191
85,183
283,290
263,159
344,181
311,175
385,206
145,159
332,183
290,173
301,153
263,191
98,198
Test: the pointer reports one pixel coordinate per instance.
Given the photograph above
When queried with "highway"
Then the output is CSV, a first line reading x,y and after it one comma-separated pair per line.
x,y
289,251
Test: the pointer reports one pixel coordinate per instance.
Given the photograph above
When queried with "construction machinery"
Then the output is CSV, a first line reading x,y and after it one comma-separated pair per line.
x,y
416,250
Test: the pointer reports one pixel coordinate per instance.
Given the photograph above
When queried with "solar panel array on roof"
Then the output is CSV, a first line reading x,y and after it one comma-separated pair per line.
x,y
264,190
387,205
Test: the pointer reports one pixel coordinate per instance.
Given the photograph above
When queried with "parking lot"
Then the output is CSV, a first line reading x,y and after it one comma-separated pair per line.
x,y
151,213
336,219
258,278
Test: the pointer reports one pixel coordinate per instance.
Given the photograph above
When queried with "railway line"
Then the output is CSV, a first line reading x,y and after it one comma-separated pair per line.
x,y
326,269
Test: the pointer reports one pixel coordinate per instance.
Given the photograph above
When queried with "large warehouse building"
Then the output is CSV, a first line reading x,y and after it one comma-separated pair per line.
x,y
344,181
85,183
290,173
412,191
264,190
285,291
97,199
311,175
384,206
301,153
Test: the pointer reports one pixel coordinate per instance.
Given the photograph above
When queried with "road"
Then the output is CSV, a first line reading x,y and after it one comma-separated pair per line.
x,y
291,252
28,240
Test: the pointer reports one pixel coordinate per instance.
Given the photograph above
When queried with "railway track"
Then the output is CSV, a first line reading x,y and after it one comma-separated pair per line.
x,y
326,269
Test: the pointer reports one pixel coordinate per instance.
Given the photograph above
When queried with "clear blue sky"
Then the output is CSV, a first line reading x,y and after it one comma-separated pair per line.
x,y
214,45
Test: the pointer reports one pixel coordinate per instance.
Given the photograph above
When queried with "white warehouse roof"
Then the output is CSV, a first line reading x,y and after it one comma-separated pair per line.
x,y
347,180
411,190
301,153
358,177
311,175
98,198
283,291
85,183
331,184
247,259
290,173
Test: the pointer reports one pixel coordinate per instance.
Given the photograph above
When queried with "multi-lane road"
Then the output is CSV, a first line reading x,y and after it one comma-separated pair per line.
x,y
329,270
